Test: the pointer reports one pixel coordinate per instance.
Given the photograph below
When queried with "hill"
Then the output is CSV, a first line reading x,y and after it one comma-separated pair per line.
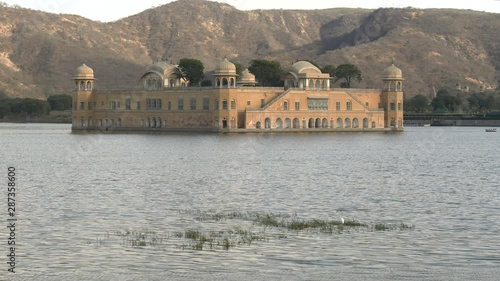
x,y
443,48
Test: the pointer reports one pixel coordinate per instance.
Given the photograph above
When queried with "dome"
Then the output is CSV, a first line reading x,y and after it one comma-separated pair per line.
x,y
225,67
246,75
392,72
305,67
84,72
162,68
247,78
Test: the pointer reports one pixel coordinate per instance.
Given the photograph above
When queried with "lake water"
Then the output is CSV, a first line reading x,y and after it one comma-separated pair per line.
x,y
83,199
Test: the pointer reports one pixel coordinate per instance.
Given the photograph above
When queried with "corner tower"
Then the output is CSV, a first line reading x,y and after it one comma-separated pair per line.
x,y
392,98
82,97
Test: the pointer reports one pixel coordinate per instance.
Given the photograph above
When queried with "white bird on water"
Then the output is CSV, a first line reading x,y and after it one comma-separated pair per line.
x,y
341,220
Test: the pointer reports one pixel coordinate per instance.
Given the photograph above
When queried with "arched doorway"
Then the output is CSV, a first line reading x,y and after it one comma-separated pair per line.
x,y
318,123
311,123
340,124
355,123
267,123
296,123
324,123
374,125
365,123
348,122
279,123
257,125
288,124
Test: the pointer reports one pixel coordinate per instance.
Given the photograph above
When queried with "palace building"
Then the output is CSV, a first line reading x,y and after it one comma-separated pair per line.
x,y
307,102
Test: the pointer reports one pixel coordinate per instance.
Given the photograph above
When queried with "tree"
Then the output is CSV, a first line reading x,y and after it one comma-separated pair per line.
x,y
239,69
330,69
480,102
418,103
268,73
347,72
60,102
192,70
4,108
444,102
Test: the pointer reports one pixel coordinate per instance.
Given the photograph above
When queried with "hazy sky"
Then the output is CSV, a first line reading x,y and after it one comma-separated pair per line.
x,y
110,10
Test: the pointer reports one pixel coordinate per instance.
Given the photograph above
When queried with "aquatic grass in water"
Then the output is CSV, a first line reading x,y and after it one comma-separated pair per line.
x,y
267,227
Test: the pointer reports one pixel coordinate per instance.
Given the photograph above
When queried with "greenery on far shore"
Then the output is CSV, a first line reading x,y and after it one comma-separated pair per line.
x,y
456,101
32,107
233,229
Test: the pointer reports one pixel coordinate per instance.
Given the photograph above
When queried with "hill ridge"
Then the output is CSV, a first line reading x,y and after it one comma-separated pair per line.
x,y
433,47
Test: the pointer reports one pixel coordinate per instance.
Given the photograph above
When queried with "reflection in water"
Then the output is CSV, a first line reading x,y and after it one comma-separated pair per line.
x,y
77,191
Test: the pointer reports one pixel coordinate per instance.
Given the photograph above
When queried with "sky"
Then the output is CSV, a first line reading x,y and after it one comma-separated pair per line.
x,y
105,11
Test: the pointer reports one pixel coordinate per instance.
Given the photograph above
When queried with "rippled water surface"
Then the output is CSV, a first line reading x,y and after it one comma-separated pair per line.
x,y
79,194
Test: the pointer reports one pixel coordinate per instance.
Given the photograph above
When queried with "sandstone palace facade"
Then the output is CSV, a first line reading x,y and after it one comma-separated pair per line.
x,y
305,103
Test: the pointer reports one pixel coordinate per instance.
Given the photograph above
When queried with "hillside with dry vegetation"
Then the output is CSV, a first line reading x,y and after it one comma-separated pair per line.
x,y
433,47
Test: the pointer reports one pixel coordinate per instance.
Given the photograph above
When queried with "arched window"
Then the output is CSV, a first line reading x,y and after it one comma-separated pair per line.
x,y
311,123
257,125
365,123
267,123
348,122
318,123
279,123
325,85
119,122
82,85
355,123
232,82
398,86
89,85
172,83
324,123
288,123
311,84
296,123
318,85
153,122
340,124
158,122
374,125
224,82
233,104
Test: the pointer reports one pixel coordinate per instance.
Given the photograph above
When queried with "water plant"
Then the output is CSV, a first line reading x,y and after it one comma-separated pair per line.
x,y
241,228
